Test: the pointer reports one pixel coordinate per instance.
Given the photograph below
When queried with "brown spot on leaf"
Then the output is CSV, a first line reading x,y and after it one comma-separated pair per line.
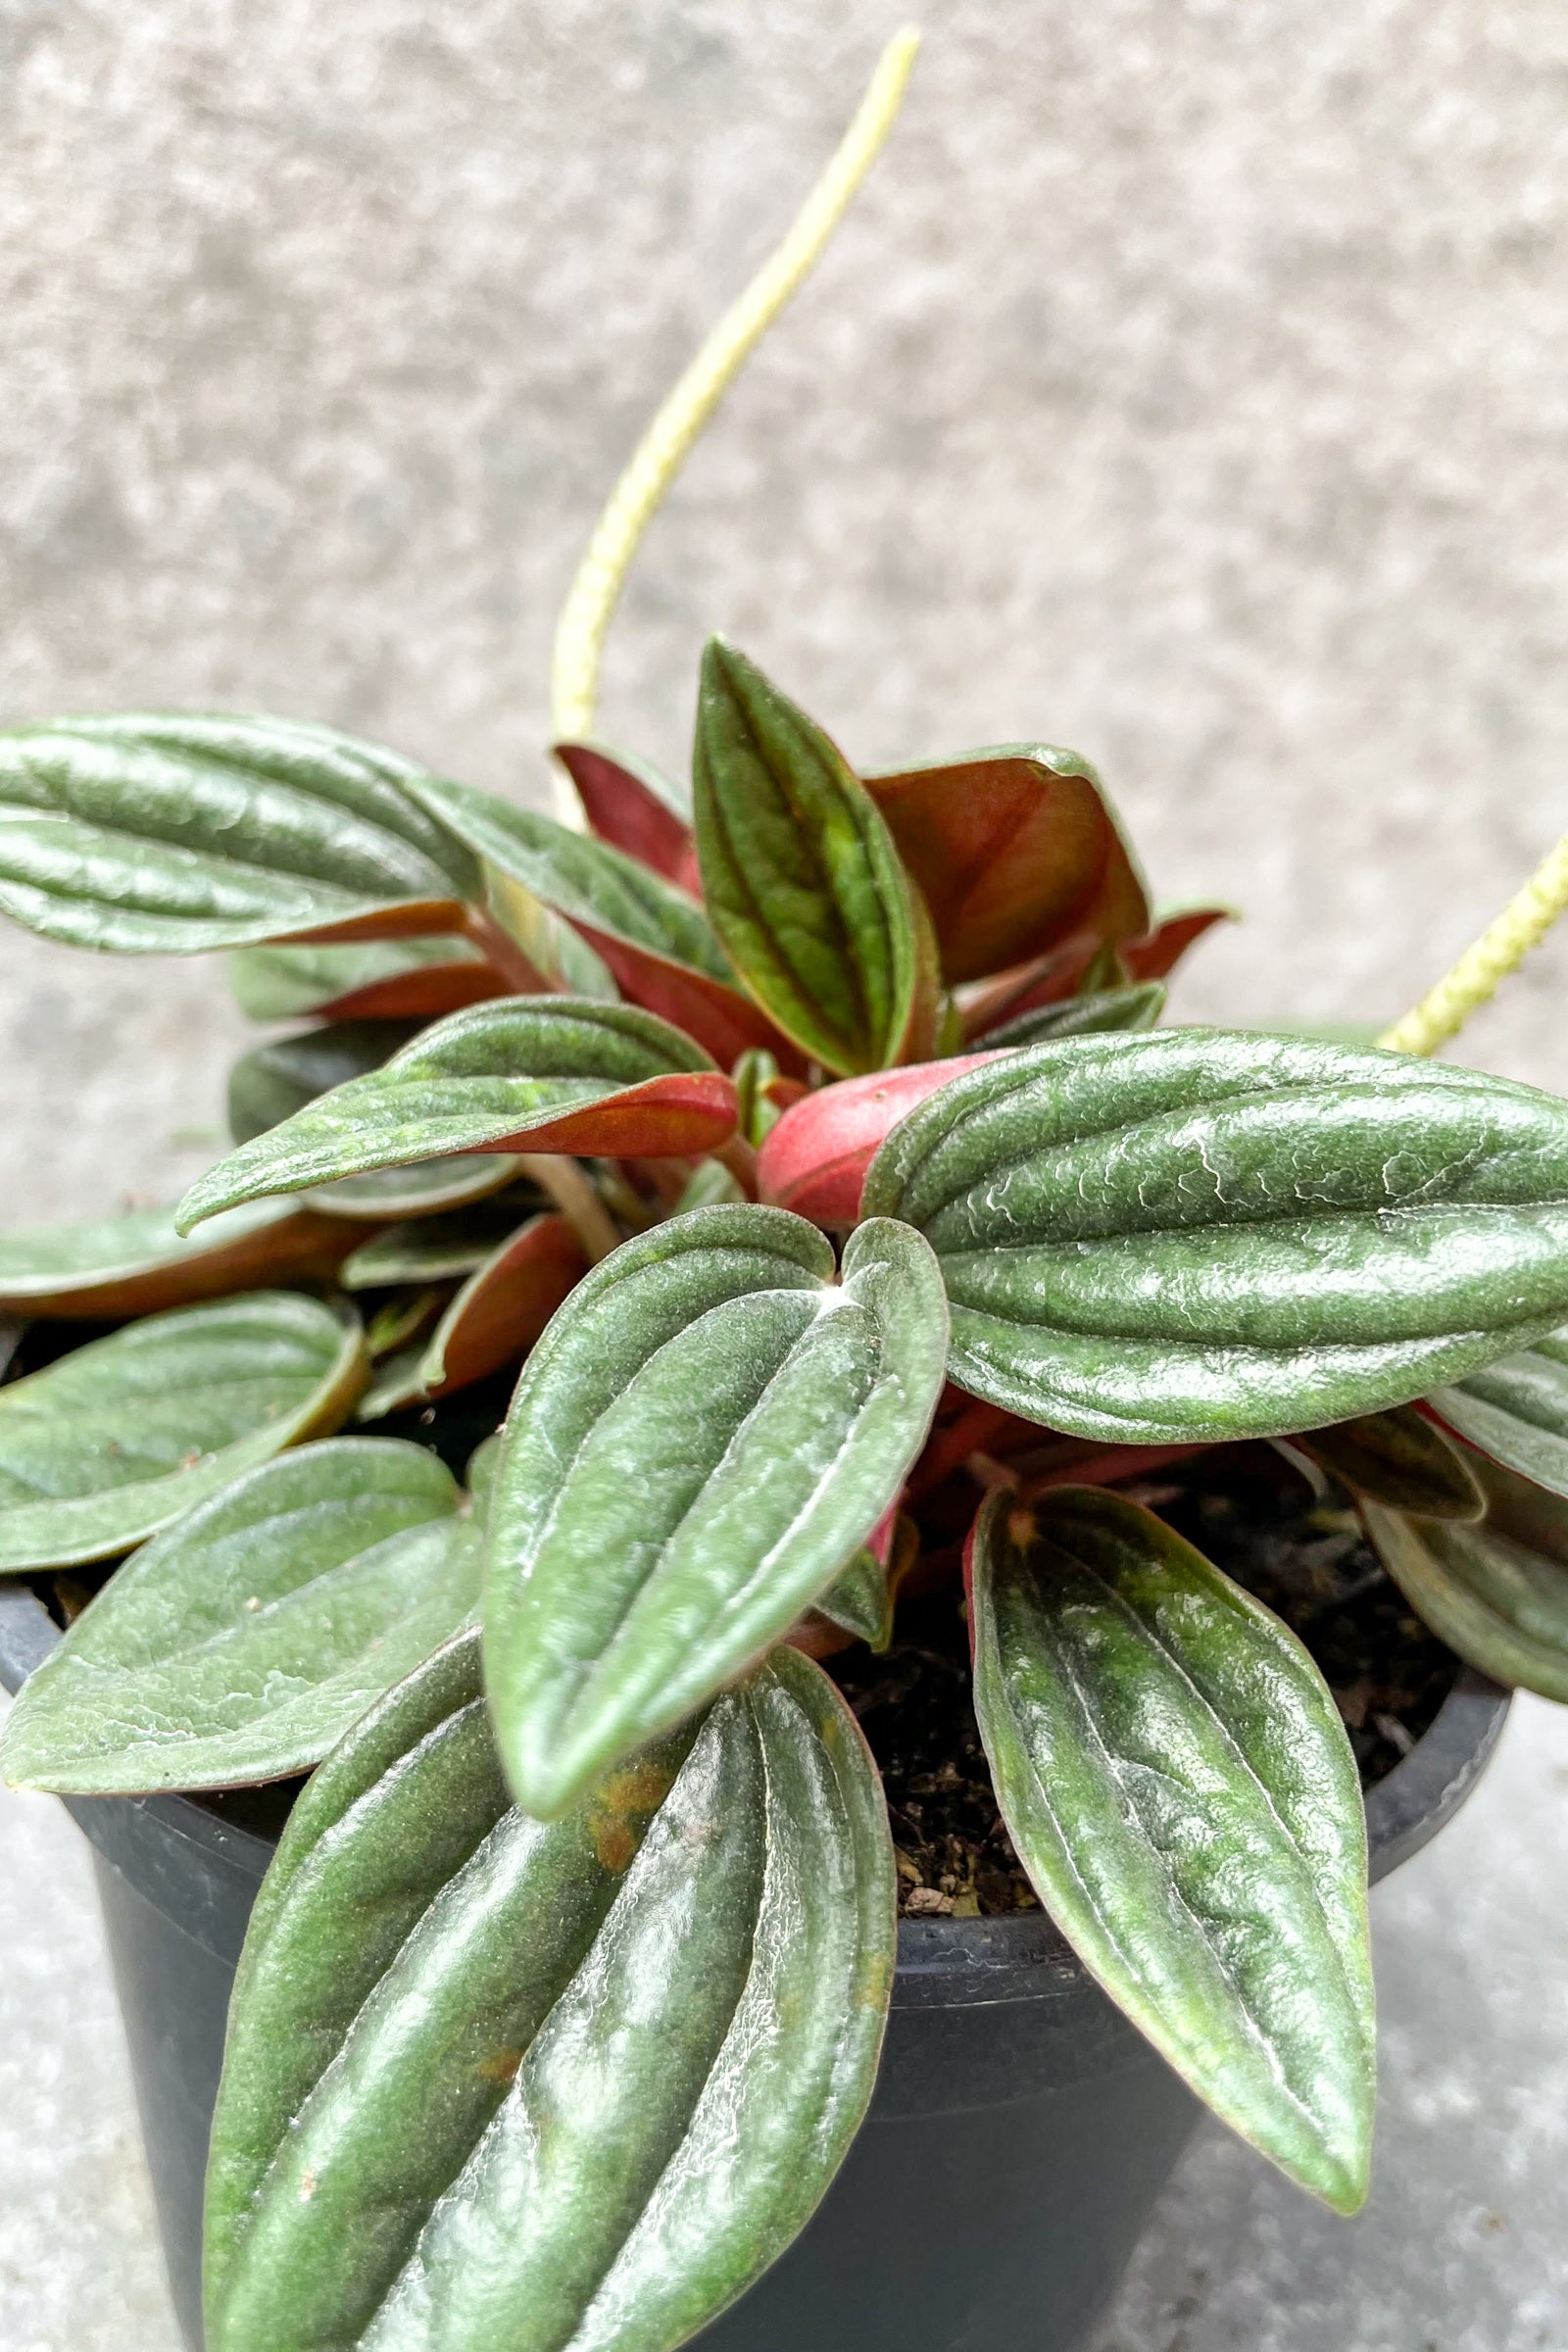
x,y
626,1802
307,2185
501,2066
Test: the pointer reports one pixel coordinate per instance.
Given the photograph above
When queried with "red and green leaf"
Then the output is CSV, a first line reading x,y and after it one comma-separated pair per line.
x,y
1015,851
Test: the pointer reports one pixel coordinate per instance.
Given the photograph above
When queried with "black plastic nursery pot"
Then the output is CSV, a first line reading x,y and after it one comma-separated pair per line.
x,y
1019,2134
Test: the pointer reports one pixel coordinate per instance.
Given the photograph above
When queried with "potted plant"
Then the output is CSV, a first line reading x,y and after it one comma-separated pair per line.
x,y
877,1285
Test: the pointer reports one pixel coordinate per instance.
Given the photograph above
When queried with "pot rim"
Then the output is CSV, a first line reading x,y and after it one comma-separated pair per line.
x,y
941,1962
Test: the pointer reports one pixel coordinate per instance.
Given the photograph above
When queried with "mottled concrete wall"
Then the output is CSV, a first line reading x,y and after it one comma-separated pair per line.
x,y
1187,387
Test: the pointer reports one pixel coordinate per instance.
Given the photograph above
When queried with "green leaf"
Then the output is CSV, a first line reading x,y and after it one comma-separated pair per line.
x,y
708,1184
1174,1774
1497,1594
272,1082
1100,1009
490,2082
579,877
700,1442
165,833
399,979
495,1318
278,1080
241,1645
656,942
1517,1411
437,1249
800,875
1204,1234
546,1074
1016,850
107,1268
1398,1458
861,1598
119,1439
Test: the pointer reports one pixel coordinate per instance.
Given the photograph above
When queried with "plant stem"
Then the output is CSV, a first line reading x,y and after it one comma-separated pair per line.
x,y
501,950
1502,947
659,455
575,1197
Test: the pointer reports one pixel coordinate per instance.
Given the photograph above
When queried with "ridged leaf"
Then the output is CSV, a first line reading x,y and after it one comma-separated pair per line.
x,y
1517,1411
657,942
1014,850
495,1318
1497,1593
269,1084
1206,1233
495,2083
538,1073
241,1645
1098,1009
1398,1458
396,979
801,876
636,809
106,1268
124,1436
163,833
278,1080
708,1431
1174,1774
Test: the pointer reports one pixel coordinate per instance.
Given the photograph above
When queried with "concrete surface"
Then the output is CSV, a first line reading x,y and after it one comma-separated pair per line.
x,y
1186,388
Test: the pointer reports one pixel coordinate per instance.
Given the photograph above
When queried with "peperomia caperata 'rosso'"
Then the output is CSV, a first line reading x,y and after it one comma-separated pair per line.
x,y
805,1152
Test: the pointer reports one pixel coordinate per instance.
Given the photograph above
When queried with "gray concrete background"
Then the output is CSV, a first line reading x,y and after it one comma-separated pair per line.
x,y
1187,387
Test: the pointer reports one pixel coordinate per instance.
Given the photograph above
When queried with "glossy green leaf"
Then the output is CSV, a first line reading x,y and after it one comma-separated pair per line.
x,y
241,1645
163,833
278,1080
1015,851
861,1599
119,1439
1206,1233
705,1433
1098,1010
491,2082
495,1318
438,1249
579,877
1497,1593
1174,1774
546,1074
106,1268
398,979
1517,1411
1398,1458
271,1083
801,876
657,942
